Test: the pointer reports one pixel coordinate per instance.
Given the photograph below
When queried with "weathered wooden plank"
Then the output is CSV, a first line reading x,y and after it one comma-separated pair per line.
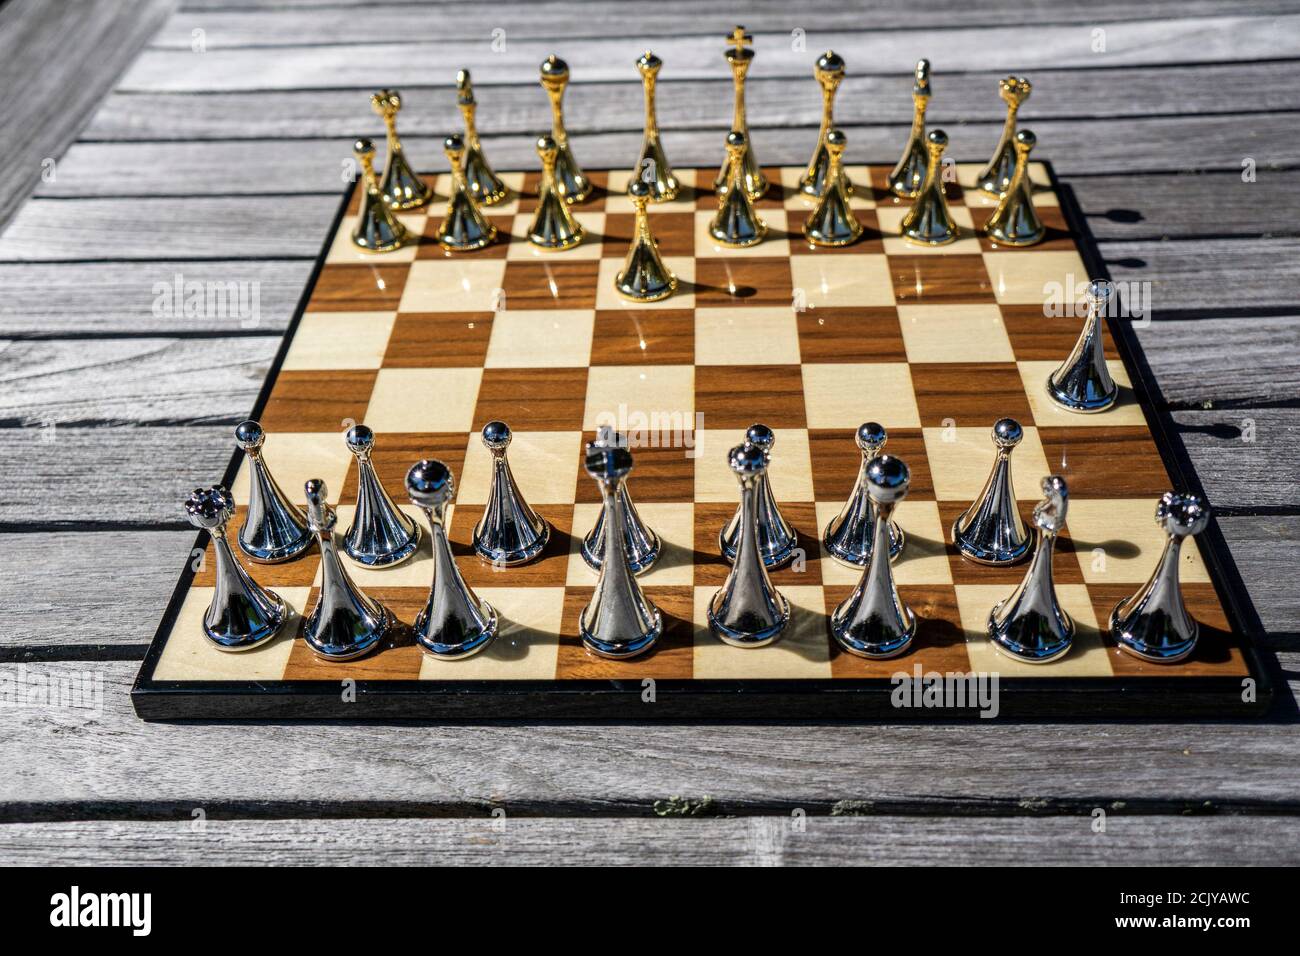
x,y
1243,361
1267,553
744,841
56,62
1008,45
1209,276
101,755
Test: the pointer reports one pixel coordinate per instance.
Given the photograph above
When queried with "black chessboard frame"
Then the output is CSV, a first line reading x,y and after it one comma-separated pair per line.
x,y
704,701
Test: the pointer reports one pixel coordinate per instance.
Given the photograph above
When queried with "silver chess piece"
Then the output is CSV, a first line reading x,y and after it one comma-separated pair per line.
x,y
777,541
991,531
850,535
1030,625
619,622
510,532
873,621
346,623
1154,624
453,623
748,611
242,614
274,529
1082,383
381,534
640,544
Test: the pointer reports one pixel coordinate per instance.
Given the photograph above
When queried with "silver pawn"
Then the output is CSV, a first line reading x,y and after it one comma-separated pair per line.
x,y
1082,383
640,544
1154,624
453,623
850,535
1030,625
619,622
991,531
242,614
381,534
346,623
274,529
510,532
747,611
873,621
777,541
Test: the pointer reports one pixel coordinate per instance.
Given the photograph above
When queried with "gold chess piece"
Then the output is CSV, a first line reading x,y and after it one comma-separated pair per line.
x,y
553,226
996,177
570,181
739,56
736,224
652,165
928,222
464,228
401,186
829,71
1014,221
484,184
644,278
378,229
831,222
905,179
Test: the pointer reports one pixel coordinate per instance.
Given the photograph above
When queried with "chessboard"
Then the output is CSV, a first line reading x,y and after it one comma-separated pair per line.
x,y
425,346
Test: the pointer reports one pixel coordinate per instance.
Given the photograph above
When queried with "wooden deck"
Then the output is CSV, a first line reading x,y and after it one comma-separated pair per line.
x,y
225,163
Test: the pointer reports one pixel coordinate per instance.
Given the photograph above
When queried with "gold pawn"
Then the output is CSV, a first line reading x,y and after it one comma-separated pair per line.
x,y
905,179
401,186
928,222
463,229
996,176
571,182
645,277
663,184
553,226
831,222
1014,221
736,224
378,229
829,71
484,184
739,56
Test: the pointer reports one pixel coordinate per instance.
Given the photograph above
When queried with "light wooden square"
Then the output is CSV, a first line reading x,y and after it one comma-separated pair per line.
x,y
189,655
673,522
1125,411
454,285
337,340
608,297
961,458
545,466
802,652
832,281
546,338
527,647
891,222
775,246
424,399
954,333
760,336
1030,277
342,250
924,559
1117,541
663,394
844,395
593,225
294,458
790,472
1087,658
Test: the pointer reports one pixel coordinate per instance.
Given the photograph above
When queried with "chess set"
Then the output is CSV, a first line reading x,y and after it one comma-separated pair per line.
x,y
755,443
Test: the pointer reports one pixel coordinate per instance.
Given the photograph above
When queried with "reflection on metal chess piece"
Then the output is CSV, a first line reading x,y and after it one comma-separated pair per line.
x,y
401,186
747,611
619,622
1014,221
1154,624
644,277
510,532
242,613
1082,383
829,71
553,224
571,182
346,623
736,224
776,539
652,164
831,222
274,529
464,228
873,621
377,228
851,534
381,534
996,176
453,623
641,545
739,56
1030,625
906,178
484,184
928,222
990,531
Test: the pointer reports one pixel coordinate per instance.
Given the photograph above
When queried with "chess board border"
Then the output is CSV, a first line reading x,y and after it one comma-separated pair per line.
x,y
702,701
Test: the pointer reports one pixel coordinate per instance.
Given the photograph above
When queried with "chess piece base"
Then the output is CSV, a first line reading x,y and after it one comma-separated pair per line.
x,y
1089,406
638,564
1137,646
462,649
772,559
330,653
276,555
1005,642
622,650
897,541
235,643
390,559
875,650
510,559
992,558
747,638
